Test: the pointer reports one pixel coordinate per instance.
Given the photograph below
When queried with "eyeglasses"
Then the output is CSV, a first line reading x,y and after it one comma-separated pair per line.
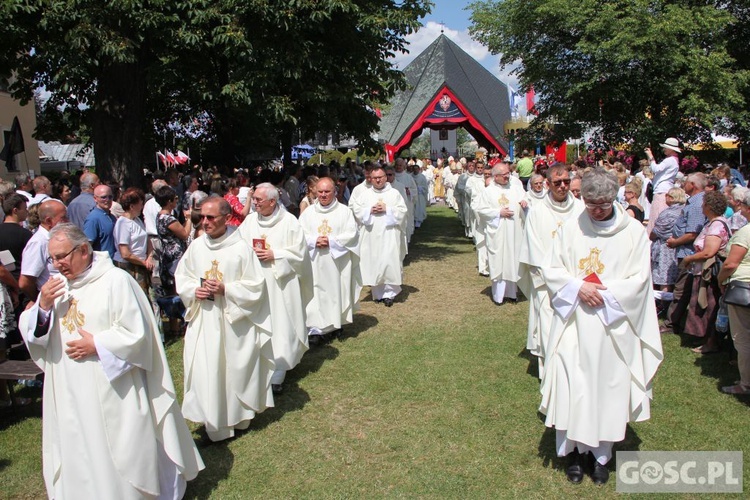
x,y
106,197
377,178
63,257
560,182
600,206
211,217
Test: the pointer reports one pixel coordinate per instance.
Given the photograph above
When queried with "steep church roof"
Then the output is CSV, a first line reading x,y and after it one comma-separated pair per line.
x,y
444,68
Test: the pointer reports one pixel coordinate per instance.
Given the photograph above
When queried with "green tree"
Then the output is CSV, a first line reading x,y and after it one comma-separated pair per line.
x,y
634,70
251,71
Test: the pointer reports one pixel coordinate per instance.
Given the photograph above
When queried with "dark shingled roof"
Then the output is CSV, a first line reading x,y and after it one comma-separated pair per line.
x,y
445,64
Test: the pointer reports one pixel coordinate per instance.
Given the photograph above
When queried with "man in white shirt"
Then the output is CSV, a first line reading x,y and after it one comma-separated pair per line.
x,y
36,265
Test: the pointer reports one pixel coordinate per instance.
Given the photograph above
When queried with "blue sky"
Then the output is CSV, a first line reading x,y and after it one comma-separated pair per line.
x,y
456,27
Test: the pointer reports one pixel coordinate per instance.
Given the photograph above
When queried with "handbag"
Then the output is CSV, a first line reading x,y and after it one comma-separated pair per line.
x,y
737,293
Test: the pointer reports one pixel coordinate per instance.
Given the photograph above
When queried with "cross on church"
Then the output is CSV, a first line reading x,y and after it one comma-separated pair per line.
x,y
442,27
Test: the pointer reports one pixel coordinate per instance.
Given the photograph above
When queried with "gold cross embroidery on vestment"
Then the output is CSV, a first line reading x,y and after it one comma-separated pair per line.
x,y
503,201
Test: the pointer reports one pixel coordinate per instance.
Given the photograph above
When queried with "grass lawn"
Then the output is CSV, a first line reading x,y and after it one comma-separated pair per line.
x,y
435,397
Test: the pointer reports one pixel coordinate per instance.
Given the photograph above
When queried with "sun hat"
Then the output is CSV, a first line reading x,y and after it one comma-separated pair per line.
x,y
671,143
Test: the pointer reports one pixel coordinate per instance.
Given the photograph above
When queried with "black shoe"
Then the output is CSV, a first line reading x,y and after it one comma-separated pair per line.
x,y
388,302
574,470
315,340
378,301
600,474
276,388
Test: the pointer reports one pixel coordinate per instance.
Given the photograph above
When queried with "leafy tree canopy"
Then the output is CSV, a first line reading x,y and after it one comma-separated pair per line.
x,y
248,73
636,71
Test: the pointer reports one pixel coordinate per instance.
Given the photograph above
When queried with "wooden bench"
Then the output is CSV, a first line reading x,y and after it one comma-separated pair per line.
x,y
18,370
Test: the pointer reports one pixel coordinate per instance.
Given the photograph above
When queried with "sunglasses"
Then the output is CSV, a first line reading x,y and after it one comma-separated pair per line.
x,y
560,182
210,217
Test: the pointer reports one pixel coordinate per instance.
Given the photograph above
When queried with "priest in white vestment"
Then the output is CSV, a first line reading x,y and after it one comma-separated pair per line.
x,y
475,186
228,357
420,206
277,239
542,225
111,424
332,241
381,213
537,191
410,192
604,345
499,209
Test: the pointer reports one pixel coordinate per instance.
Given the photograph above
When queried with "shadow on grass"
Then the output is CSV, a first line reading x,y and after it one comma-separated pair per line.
x,y
717,366
4,462
362,323
219,460
406,290
533,367
548,447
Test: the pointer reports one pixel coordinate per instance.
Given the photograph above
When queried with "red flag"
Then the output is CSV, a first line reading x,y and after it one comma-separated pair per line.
x,y
559,150
170,158
182,158
530,96
378,113
162,158
390,153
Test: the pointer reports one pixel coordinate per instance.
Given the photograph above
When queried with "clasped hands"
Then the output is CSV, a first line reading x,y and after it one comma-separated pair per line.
x,y
209,289
378,208
589,294
321,242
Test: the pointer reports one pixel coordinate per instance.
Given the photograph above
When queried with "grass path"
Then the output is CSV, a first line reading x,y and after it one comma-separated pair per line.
x,y
433,398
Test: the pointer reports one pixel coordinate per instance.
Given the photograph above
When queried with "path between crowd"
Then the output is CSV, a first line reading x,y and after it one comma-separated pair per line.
x,y
434,397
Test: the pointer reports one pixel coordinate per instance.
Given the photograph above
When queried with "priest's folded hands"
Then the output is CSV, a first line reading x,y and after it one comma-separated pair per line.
x,y
264,254
81,348
589,294
378,208
322,242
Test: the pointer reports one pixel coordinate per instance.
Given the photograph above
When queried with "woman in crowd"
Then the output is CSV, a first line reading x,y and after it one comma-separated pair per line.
x,y
632,193
239,211
311,193
735,196
736,270
134,253
663,258
61,191
173,237
704,265
194,213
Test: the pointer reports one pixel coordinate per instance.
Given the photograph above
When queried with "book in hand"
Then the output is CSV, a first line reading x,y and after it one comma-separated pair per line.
x,y
210,297
259,243
593,278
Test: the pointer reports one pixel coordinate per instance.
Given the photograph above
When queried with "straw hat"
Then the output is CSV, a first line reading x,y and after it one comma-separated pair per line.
x,y
672,143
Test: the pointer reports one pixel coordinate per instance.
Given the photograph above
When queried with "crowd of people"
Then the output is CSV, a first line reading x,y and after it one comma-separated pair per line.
x,y
256,268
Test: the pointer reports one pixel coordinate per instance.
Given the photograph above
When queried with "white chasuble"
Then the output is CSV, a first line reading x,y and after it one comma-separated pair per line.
x,y
111,426
228,356
545,219
381,236
503,234
600,363
336,278
420,205
288,279
410,197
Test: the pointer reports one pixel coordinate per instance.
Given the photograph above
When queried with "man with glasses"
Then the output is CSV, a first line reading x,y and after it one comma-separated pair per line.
x,y
228,356
604,345
474,187
37,264
99,225
381,212
499,209
278,241
542,225
537,191
112,426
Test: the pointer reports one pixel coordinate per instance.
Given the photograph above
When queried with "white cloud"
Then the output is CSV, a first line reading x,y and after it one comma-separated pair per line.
x,y
420,40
